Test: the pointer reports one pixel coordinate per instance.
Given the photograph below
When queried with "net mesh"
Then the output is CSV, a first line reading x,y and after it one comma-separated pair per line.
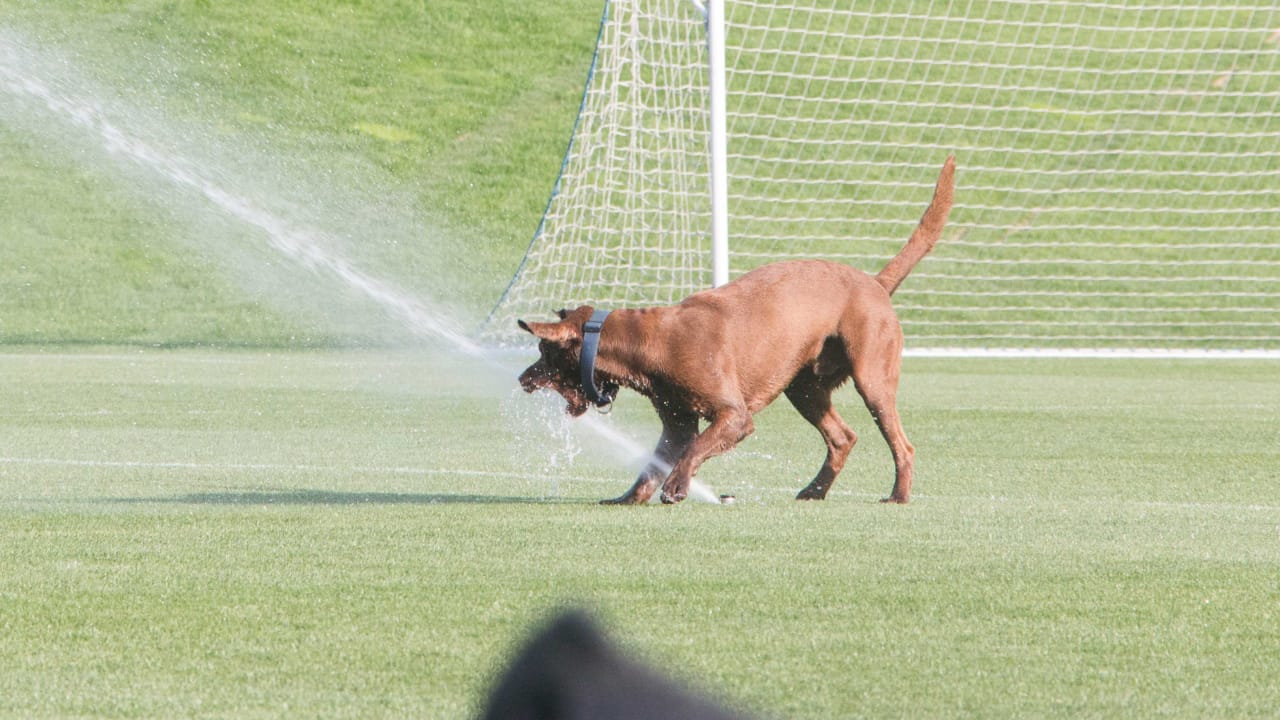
x,y
1119,165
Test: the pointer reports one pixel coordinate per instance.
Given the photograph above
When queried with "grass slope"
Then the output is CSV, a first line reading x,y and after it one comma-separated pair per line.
x,y
257,535
425,138
102,269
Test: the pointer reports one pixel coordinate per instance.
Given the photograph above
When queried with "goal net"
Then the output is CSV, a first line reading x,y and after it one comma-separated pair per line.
x,y
1118,184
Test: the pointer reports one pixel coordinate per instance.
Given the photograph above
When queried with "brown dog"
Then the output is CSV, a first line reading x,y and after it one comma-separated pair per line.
x,y
800,327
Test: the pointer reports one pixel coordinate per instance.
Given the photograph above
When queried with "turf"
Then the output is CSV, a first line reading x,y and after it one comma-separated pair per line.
x,y
422,139
227,491
247,534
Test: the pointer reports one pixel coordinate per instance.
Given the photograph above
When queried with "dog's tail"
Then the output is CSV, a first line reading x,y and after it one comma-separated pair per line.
x,y
927,232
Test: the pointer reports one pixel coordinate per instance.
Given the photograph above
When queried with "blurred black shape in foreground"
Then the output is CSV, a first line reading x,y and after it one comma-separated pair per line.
x,y
569,671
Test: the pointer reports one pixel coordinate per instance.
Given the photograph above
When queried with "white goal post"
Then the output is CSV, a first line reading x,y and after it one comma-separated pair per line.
x,y
1118,187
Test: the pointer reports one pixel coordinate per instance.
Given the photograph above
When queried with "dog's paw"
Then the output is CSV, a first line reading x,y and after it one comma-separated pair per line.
x,y
812,493
893,500
673,498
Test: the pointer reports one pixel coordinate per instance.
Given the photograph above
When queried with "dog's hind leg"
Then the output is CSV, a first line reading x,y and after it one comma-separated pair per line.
x,y
811,395
876,376
885,412
728,427
678,430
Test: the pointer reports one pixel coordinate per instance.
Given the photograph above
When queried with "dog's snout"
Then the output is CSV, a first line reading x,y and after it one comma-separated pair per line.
x,y
536,376
527,380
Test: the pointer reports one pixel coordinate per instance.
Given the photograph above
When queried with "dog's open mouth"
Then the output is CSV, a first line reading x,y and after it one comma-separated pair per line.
x,y
576,403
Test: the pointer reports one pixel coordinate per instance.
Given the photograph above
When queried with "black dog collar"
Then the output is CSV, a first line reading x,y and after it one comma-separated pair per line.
x,y
587,361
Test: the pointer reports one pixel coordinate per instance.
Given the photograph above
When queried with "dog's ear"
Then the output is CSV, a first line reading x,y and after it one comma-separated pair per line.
x,y
563,313
556,332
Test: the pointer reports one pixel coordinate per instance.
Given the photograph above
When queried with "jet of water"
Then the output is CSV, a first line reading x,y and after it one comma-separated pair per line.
x,y
300,245
303,246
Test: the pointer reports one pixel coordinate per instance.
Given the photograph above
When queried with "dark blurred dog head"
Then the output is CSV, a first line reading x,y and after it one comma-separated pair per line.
x,y
559,366
568,671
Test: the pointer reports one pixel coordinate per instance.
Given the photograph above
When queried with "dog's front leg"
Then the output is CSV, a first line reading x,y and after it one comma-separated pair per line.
x,y
678,430
726,430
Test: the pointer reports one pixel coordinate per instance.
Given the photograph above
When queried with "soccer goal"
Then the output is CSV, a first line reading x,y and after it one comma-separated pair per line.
x,y
1119,165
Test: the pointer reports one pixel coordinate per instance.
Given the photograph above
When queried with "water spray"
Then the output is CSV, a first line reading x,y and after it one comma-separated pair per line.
x,y
300,245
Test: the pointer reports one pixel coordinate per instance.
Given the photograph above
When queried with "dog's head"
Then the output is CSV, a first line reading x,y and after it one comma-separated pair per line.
x,y
559,365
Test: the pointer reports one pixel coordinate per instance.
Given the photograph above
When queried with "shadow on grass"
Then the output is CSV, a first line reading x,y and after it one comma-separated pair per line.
x,y
330,497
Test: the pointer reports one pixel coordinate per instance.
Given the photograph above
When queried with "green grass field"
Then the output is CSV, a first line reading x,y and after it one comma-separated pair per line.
x,y
230,489
248,534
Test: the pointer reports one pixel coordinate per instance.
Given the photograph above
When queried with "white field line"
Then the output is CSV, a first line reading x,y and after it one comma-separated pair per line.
x,y
275,467
237,357
1092,354
540,477
225,357
699,491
